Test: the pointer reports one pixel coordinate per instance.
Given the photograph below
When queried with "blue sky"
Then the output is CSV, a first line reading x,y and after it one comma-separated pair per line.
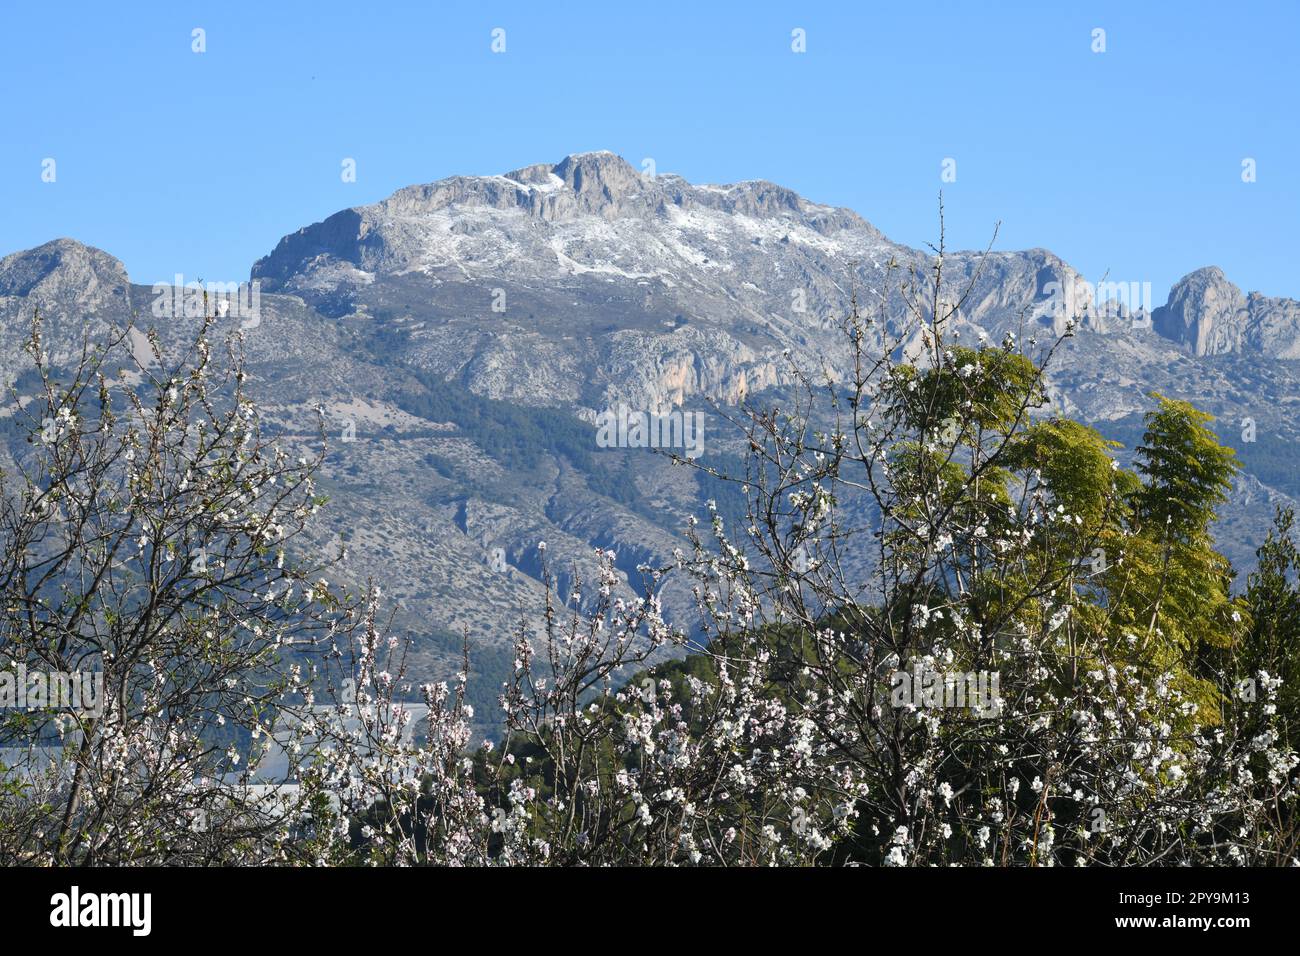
x,y
1128,160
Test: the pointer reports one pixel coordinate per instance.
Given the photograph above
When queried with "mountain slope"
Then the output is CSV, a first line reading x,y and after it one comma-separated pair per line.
x,y
464,334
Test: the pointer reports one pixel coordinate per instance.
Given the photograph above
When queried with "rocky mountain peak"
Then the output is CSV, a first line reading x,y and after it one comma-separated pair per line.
x,y
64,279
1205,312
58,266
1207,286
598,179
78,290
591,215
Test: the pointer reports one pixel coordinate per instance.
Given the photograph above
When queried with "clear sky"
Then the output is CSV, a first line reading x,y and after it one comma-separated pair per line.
x,y
1128,160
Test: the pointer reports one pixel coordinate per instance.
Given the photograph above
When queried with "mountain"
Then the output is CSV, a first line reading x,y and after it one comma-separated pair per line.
x,y
467,333
587,283
1211,316
79,290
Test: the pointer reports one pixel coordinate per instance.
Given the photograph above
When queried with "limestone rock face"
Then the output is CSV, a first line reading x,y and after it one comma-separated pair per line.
x,y
1205,312
1211,316
64,274
658,290
77,289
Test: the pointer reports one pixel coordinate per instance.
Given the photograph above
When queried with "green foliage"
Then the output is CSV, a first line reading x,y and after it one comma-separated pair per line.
x,y
1169,587
517,436
1188,473
523,438
1272,644
1075,463
979,390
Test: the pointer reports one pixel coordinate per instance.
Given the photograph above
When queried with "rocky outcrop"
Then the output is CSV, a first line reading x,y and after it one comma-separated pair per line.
x,y
65,274
1211,316
77,289
1205,312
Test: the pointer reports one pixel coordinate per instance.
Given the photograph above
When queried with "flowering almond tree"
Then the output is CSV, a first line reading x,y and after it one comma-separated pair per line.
x,y
146,538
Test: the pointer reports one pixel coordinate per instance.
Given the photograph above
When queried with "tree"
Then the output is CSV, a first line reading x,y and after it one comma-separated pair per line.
x,y
147,544
1179,584
1272,645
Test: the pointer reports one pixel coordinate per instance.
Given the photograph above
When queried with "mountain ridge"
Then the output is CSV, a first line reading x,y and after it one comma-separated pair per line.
x,y
1204,310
